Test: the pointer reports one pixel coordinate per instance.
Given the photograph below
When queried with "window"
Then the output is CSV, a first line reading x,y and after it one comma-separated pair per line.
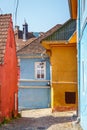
x,y
40,70
70,97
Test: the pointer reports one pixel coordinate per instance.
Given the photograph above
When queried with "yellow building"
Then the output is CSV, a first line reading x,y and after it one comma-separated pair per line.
x,y
61,47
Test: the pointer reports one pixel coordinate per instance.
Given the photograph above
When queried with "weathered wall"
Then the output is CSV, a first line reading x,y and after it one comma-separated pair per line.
x,y
64,76
9,90
0,73
27,71
82,62
83,80
33,93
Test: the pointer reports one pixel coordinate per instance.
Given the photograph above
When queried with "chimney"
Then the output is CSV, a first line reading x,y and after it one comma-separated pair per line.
x,y
25,31
17,31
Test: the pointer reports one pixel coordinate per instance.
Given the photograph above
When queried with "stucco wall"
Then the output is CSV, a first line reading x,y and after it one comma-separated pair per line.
x,y
34,98
33,93
83,79
27,71
0,73
9,89
82,64
64,75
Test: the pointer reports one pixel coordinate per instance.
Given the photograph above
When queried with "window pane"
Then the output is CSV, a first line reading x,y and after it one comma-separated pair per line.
x,y
40,70
38,76
42,76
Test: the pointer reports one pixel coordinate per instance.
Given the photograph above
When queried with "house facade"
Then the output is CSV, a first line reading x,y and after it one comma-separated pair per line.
x,y
81,15
8,69
82,39
34,82
61,47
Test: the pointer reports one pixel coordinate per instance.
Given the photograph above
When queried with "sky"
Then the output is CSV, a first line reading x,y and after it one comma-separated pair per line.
x,y
41,15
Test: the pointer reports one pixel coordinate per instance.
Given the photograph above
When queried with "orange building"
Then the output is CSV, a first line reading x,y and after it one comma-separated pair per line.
x,y
8,69
61,47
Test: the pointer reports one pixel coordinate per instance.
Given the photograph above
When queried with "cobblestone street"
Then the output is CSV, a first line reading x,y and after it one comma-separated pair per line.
x,y
43,119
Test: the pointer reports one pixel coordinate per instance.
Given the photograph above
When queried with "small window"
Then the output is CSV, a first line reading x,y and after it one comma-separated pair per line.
x,y
70,97
40,70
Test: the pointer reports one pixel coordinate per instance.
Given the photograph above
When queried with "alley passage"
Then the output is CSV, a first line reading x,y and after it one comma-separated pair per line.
x,y
43,119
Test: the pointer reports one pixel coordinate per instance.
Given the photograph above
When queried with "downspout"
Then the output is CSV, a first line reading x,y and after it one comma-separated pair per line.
x,y
79,57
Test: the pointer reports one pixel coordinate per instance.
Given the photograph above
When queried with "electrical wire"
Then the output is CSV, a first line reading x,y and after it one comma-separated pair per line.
x,y
16,10
1,11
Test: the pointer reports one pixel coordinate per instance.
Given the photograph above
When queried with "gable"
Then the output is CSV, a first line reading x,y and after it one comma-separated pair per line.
x,y
64,32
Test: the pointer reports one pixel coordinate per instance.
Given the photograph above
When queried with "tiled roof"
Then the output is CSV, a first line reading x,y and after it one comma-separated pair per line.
x,y
4,24
20,43
35,46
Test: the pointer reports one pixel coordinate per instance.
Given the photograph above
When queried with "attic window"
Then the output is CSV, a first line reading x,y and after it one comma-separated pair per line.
x,y
70,97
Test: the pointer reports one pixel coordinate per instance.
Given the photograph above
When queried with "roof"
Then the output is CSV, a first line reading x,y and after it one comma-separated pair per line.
x,y
20,43
64,32
35,47
4,24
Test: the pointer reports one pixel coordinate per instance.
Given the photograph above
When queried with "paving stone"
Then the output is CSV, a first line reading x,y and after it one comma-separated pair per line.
x,y
43,119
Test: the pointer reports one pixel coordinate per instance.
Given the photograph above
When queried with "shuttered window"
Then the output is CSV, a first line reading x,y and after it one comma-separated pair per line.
x,y
70,97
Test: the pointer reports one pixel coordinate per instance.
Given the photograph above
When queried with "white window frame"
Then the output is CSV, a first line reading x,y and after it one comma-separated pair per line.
x,y
40,69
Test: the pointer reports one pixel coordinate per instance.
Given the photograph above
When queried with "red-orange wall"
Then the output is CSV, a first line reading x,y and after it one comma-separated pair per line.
x,y
9,106
0,73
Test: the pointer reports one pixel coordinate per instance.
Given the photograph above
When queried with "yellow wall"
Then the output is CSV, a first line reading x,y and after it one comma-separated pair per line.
x,y
63,58
64,74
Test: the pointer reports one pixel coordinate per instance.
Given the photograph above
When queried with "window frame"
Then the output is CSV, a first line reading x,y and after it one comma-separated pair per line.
x,y
36,69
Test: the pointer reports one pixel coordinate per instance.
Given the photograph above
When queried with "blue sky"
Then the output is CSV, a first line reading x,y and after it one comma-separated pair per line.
x,y
41,15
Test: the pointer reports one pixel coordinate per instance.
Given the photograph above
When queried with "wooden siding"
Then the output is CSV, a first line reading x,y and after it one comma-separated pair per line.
x,y
64,32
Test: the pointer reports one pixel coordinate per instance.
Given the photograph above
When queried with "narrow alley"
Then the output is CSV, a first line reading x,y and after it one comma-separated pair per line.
x,y
43,119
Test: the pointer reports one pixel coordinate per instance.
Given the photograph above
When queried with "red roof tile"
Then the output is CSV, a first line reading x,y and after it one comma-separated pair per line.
x,y
4,24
